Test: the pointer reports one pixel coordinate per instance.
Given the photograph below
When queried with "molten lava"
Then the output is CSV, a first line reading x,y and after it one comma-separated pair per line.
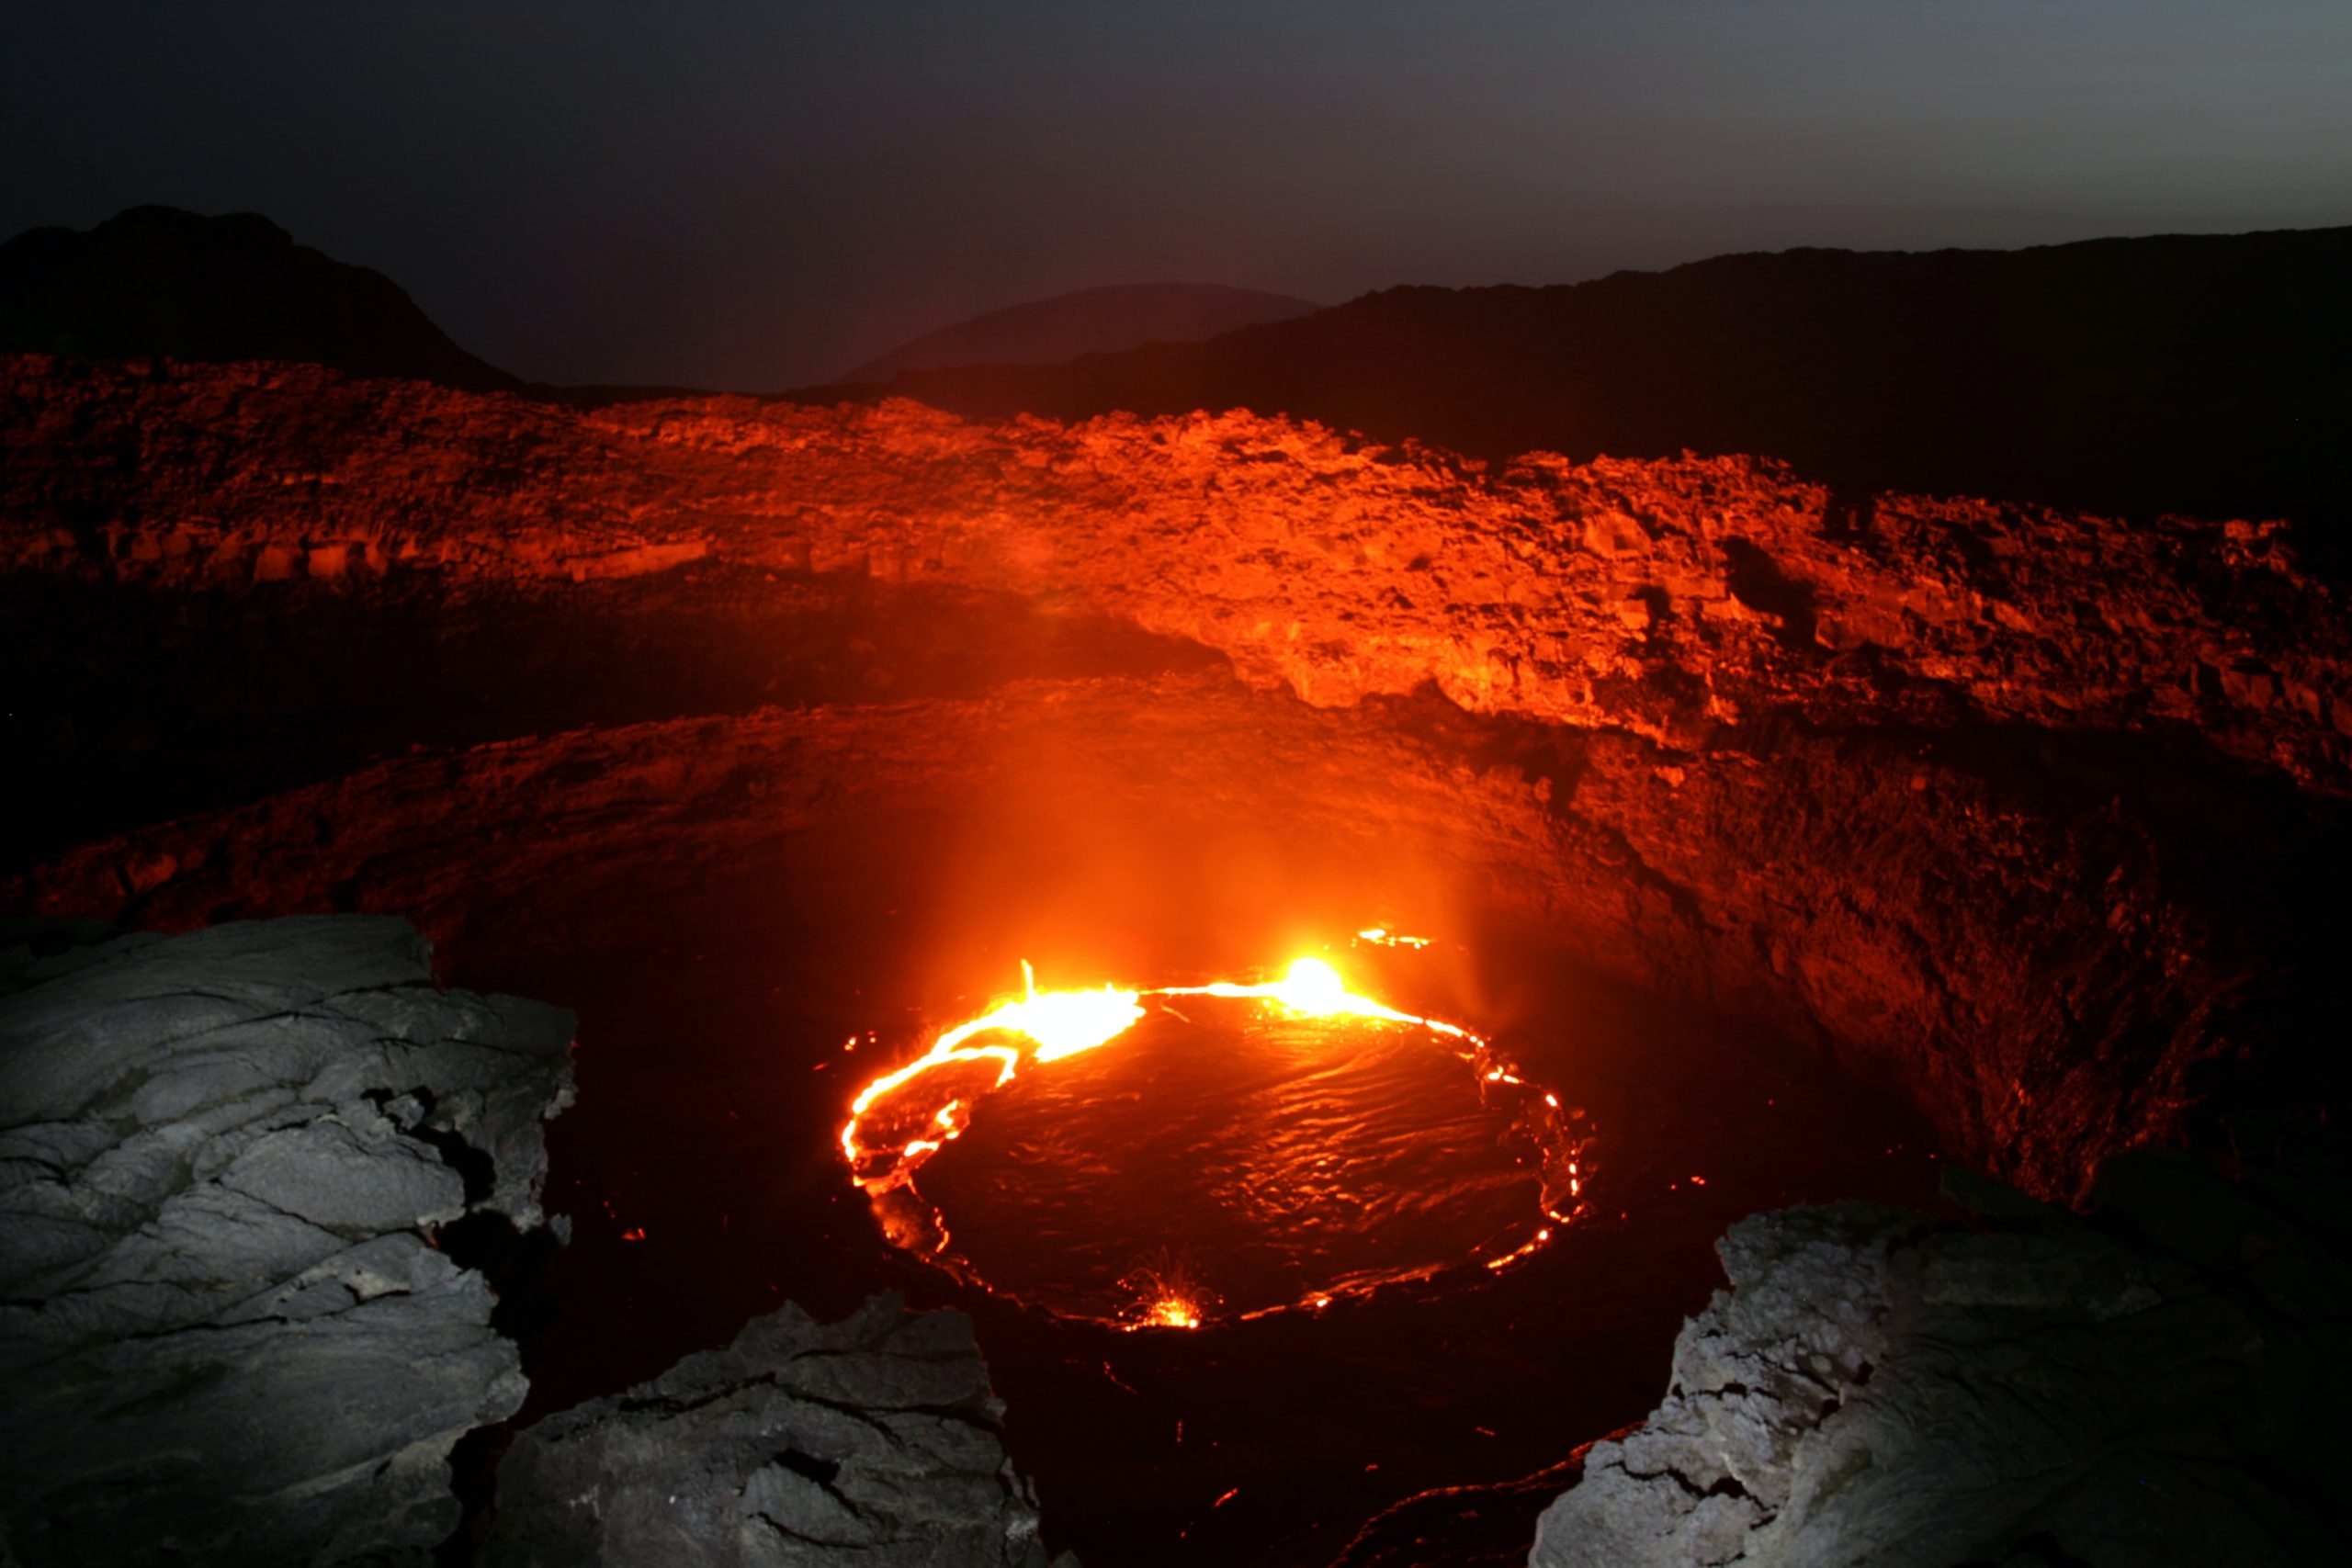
x,y
1062,1023
1172,1312
903,1117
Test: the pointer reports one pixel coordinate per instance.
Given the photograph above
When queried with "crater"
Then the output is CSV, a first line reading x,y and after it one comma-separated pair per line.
x,y
1796,859
1189,1154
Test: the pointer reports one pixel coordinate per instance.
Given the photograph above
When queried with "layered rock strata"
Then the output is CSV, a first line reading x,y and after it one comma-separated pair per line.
x,y
874,1440
1667,599
548,836
234,1167
2158,1383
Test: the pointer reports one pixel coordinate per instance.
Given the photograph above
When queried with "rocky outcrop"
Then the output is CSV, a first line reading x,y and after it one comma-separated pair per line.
x,y
2160,1383
874,1440
1671,599
238,1171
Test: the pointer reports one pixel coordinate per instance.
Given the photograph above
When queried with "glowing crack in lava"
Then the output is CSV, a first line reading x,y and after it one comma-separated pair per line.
x,y
1297,1138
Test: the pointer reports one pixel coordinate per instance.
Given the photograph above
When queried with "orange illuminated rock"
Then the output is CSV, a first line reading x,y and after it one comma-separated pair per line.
x,y
1667,599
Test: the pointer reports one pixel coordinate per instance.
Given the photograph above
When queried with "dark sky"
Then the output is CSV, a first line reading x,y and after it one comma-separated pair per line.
x,y
759,195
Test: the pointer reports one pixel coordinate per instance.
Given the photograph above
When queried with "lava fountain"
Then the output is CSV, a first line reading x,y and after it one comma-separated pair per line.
x,y
1250,1146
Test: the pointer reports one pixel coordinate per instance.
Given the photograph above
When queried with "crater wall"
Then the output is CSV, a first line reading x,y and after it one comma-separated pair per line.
x,y
2032,810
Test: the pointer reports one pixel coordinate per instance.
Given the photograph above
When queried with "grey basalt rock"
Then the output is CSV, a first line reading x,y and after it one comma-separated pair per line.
x,y
874,1441
2160,1383
228,1160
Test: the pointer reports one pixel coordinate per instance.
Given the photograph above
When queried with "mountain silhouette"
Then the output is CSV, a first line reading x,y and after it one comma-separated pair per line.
x,y
2204,374
1092,321
157,281
2193,373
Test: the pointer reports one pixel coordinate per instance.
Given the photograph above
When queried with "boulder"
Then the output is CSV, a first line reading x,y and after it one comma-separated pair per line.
x,y
2156,1384
874,1440
234,1167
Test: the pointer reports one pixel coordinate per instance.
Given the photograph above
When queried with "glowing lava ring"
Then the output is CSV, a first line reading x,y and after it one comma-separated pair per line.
x,y
902,1118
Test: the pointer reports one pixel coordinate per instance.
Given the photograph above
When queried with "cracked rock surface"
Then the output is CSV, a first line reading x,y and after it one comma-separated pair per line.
x,y
1671,600
2159,1384
228,1163
872,1441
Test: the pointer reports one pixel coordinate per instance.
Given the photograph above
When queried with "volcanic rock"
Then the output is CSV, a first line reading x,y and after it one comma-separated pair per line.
x,y
873,1440
1674,600
464,840
1484,1526
234,1167
2160,1383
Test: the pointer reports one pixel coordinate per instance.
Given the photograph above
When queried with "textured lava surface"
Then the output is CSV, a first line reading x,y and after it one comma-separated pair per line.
x,y
1665,599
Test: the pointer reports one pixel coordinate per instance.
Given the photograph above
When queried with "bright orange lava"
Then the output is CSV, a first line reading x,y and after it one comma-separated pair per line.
x,y
1062,1023
1041,1027
1172,1312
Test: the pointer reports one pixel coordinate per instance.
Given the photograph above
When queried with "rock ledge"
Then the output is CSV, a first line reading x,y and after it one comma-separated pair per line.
x,y
872,1441
2159,1384
228,1163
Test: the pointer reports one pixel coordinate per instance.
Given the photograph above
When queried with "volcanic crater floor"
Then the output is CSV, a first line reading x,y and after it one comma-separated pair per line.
x,y
703,1167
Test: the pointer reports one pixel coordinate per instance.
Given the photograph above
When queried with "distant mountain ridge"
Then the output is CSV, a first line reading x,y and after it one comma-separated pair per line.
x,y
158,281
2201,374
1091,321
2193,373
